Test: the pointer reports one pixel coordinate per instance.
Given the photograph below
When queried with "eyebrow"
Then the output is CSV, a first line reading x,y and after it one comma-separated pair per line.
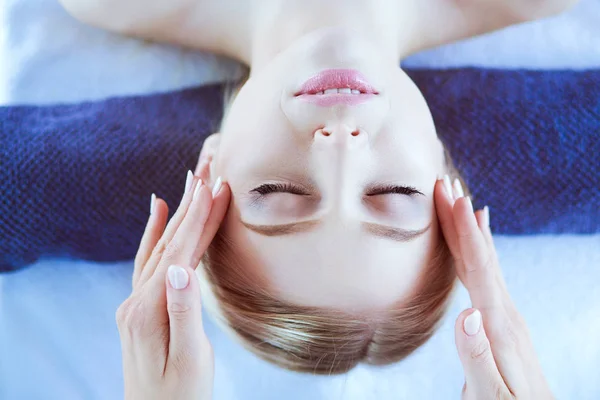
x,y
383,231
282,230
392,233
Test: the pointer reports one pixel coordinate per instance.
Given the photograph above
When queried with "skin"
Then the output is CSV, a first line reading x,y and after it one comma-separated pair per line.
x,y
272,137
166,353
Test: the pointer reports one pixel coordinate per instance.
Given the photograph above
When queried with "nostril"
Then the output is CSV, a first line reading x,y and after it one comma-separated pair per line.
x,y
324,132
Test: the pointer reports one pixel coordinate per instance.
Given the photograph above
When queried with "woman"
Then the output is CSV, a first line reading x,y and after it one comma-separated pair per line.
x,y
166,353
331,155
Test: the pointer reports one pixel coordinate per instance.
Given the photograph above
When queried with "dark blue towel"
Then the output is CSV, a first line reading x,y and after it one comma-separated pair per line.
x,y
76,180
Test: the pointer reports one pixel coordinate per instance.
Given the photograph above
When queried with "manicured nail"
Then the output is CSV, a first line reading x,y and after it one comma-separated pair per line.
x,y
178,277
472,323
217,187
486,215
188,181
448,186
197,190
152,202
458,189
469,203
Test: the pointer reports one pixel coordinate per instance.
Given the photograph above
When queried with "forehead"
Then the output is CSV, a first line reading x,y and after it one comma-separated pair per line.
x,y
335,266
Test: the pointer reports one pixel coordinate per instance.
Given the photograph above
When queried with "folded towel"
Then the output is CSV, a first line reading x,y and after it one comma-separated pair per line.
x,y
76,180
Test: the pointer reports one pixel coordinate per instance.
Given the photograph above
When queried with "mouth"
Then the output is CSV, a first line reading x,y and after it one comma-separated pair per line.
x,y
337,86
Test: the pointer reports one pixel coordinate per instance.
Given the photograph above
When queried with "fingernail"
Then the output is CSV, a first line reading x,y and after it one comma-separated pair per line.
x,y
217,187
188,181
152,202
448,186
197,190
178,277
458,189
486,215
469,203
472,323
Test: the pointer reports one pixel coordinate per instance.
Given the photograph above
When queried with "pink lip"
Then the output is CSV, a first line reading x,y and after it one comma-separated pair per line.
x,y
336,79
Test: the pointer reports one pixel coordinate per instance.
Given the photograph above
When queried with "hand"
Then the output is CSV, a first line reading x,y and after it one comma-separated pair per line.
x,y
166,354
498,357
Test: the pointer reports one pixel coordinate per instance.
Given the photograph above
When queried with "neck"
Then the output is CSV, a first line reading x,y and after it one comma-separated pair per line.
x,y
275,28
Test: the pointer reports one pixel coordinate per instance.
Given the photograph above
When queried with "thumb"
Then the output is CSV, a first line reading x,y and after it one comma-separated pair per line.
x,y
481,373
186,333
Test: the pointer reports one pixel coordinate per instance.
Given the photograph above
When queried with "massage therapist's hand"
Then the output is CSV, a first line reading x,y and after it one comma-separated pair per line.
x,y
166,354
493,342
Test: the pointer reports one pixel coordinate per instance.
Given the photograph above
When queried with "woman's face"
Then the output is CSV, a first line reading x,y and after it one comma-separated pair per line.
x,y
332,195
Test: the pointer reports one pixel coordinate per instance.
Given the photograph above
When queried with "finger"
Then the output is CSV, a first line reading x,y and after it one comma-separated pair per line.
x,y
170,230
188,344
218,211
444,204
143,329
483,221
479,264
181,250
209,147
481,373
510,352
203,170
154,230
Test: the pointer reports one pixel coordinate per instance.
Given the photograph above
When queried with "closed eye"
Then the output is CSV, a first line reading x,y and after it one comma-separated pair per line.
x,y
269,188
393,189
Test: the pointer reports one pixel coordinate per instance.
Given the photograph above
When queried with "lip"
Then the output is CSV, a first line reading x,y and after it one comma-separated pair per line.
x,y
336,79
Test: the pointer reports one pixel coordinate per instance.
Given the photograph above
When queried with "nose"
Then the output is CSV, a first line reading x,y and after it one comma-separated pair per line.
x,y
340,135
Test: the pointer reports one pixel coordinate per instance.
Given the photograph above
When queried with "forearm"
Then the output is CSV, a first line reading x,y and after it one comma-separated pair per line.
x,y
446,21
147,19
198,24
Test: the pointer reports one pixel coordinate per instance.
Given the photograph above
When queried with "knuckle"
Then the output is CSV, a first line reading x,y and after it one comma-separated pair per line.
x,y
179,310
488,263
171,252
185,365
481,353
466,235
121,314
131,316
500,393
159,249
509,336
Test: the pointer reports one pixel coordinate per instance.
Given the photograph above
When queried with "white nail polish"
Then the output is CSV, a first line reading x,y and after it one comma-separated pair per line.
x,y
178,277
217,187
448,186
458,189
486,215
472,323
152,203
197,190
188,181
469,203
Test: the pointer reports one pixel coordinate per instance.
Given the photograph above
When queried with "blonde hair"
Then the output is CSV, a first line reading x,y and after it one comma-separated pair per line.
x,y
317,340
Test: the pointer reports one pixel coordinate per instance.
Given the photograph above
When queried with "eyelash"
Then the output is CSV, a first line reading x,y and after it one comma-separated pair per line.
x,y
269,188
393,189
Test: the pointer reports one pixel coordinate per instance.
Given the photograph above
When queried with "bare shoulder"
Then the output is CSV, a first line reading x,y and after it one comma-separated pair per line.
x,y
445,21
213,25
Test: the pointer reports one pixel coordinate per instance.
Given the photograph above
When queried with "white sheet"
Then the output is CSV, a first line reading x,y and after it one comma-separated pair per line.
x,y
58,339
49,57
